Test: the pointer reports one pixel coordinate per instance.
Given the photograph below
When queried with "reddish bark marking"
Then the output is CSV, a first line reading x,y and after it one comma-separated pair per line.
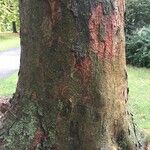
x,y
62,86
2,141
55,147
124,94
84,68
105,48
62,89
4,106
55,11
34,96
51,17
38,137
60,41
86,99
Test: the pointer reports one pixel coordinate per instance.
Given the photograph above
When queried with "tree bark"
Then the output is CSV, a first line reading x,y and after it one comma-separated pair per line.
x,y
72,90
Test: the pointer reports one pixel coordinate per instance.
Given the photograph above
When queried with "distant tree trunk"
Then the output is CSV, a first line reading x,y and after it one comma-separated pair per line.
x,y
72,91
14,27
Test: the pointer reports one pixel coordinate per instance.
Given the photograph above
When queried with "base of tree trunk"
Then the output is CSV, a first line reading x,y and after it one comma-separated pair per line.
x,y
24,128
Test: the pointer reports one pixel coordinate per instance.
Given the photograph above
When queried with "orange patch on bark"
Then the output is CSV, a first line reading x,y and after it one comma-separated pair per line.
x,y
84,68
103,48
55,11
38,137
34,96
55,147
62,89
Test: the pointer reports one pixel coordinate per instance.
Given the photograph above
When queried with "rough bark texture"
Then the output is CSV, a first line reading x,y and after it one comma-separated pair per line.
x,y
72,91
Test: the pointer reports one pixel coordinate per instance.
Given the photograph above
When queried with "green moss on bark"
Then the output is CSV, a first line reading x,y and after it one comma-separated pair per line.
x,y
21,132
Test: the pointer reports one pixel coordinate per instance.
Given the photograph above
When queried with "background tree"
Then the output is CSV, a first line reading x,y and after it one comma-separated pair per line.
x,y
72,91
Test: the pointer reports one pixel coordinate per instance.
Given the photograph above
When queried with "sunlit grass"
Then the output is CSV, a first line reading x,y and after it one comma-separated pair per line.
x,y
8,85
8,41
139,96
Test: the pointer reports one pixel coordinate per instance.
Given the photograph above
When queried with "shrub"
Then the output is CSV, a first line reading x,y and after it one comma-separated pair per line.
x,y
137,14
138,47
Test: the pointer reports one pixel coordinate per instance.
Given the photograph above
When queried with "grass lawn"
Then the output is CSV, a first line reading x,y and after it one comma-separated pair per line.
x,y
9,40
139,97
8,85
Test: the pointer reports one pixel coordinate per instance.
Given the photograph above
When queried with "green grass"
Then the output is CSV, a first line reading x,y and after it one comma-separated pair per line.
x,y
8,85
139,95
9,40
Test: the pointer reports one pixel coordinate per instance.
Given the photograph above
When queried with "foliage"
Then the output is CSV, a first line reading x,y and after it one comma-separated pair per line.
x,y
137,14
9,11
138,47
138,32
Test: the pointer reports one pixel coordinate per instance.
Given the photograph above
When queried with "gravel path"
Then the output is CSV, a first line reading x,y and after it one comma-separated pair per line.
x,y
9,62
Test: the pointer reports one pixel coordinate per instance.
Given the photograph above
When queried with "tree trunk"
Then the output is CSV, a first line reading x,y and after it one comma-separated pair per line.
x,y
14,27
72,91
